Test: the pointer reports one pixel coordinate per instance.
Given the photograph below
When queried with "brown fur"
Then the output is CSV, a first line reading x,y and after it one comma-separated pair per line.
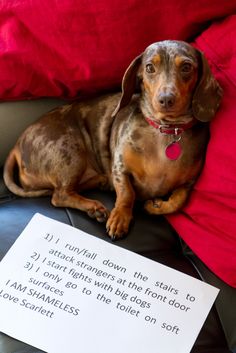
x,y
107,143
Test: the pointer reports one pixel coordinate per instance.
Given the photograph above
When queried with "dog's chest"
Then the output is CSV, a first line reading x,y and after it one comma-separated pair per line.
x,y
153,170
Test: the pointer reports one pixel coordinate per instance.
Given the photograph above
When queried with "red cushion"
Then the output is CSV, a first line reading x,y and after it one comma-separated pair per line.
x,y
68,48
208,222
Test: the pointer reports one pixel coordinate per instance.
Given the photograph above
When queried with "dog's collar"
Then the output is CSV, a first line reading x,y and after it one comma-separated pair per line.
x,y
174,149
171,129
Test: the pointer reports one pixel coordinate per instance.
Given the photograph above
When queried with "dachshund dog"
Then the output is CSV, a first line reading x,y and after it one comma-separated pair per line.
x,y
147,142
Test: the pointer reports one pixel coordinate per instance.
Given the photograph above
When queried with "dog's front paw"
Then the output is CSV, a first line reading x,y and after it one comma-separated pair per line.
x,y
118,223
154,206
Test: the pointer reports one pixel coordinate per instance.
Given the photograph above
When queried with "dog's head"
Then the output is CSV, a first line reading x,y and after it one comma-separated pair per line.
x,y
175,81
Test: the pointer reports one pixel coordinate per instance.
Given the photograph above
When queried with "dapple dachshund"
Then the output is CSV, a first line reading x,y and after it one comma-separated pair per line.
x,y
147,142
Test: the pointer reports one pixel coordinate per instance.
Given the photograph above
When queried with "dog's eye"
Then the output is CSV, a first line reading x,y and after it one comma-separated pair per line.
x,y
186,68
150,68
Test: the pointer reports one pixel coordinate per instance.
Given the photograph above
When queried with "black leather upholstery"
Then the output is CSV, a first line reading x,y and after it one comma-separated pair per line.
x,y
149,236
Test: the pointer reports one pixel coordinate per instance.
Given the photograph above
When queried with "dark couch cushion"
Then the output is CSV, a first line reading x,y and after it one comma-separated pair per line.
x,y
149,236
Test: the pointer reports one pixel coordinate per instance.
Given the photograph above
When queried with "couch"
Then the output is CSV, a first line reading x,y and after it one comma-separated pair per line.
x,y
53,52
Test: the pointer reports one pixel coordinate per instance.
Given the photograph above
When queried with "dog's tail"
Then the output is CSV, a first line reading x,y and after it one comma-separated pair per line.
x,y
8,176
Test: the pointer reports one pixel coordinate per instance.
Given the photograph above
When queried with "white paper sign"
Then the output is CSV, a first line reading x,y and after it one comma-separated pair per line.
x,y
62,290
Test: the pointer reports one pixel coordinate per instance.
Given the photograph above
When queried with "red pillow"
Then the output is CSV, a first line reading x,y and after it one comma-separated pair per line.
x,y
208,222
67,48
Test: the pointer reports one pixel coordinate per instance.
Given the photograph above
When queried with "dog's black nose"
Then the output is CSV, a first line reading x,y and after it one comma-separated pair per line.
x,y
166,100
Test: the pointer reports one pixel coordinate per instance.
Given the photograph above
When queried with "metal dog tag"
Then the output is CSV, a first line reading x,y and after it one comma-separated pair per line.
x,y
173,150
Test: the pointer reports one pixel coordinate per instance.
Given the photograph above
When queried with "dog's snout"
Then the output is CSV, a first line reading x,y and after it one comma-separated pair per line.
x,y
166,100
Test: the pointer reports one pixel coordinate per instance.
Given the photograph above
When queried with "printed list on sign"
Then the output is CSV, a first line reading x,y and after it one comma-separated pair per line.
x,y
72,292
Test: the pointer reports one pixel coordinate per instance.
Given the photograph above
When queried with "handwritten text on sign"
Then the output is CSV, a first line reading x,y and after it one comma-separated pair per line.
x,y
75,293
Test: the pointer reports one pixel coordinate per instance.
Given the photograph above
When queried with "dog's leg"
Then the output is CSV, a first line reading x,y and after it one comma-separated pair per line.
x,y
68,198
121,215
98,181
173,204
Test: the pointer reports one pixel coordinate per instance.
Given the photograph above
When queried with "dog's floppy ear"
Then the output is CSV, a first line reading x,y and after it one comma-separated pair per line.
x,y
208,93
128,84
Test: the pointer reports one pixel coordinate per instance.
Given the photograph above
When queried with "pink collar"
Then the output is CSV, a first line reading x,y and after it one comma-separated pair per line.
x,y
171,129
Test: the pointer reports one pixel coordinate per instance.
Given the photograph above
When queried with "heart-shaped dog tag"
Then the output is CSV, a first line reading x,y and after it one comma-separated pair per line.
x,y
173,151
